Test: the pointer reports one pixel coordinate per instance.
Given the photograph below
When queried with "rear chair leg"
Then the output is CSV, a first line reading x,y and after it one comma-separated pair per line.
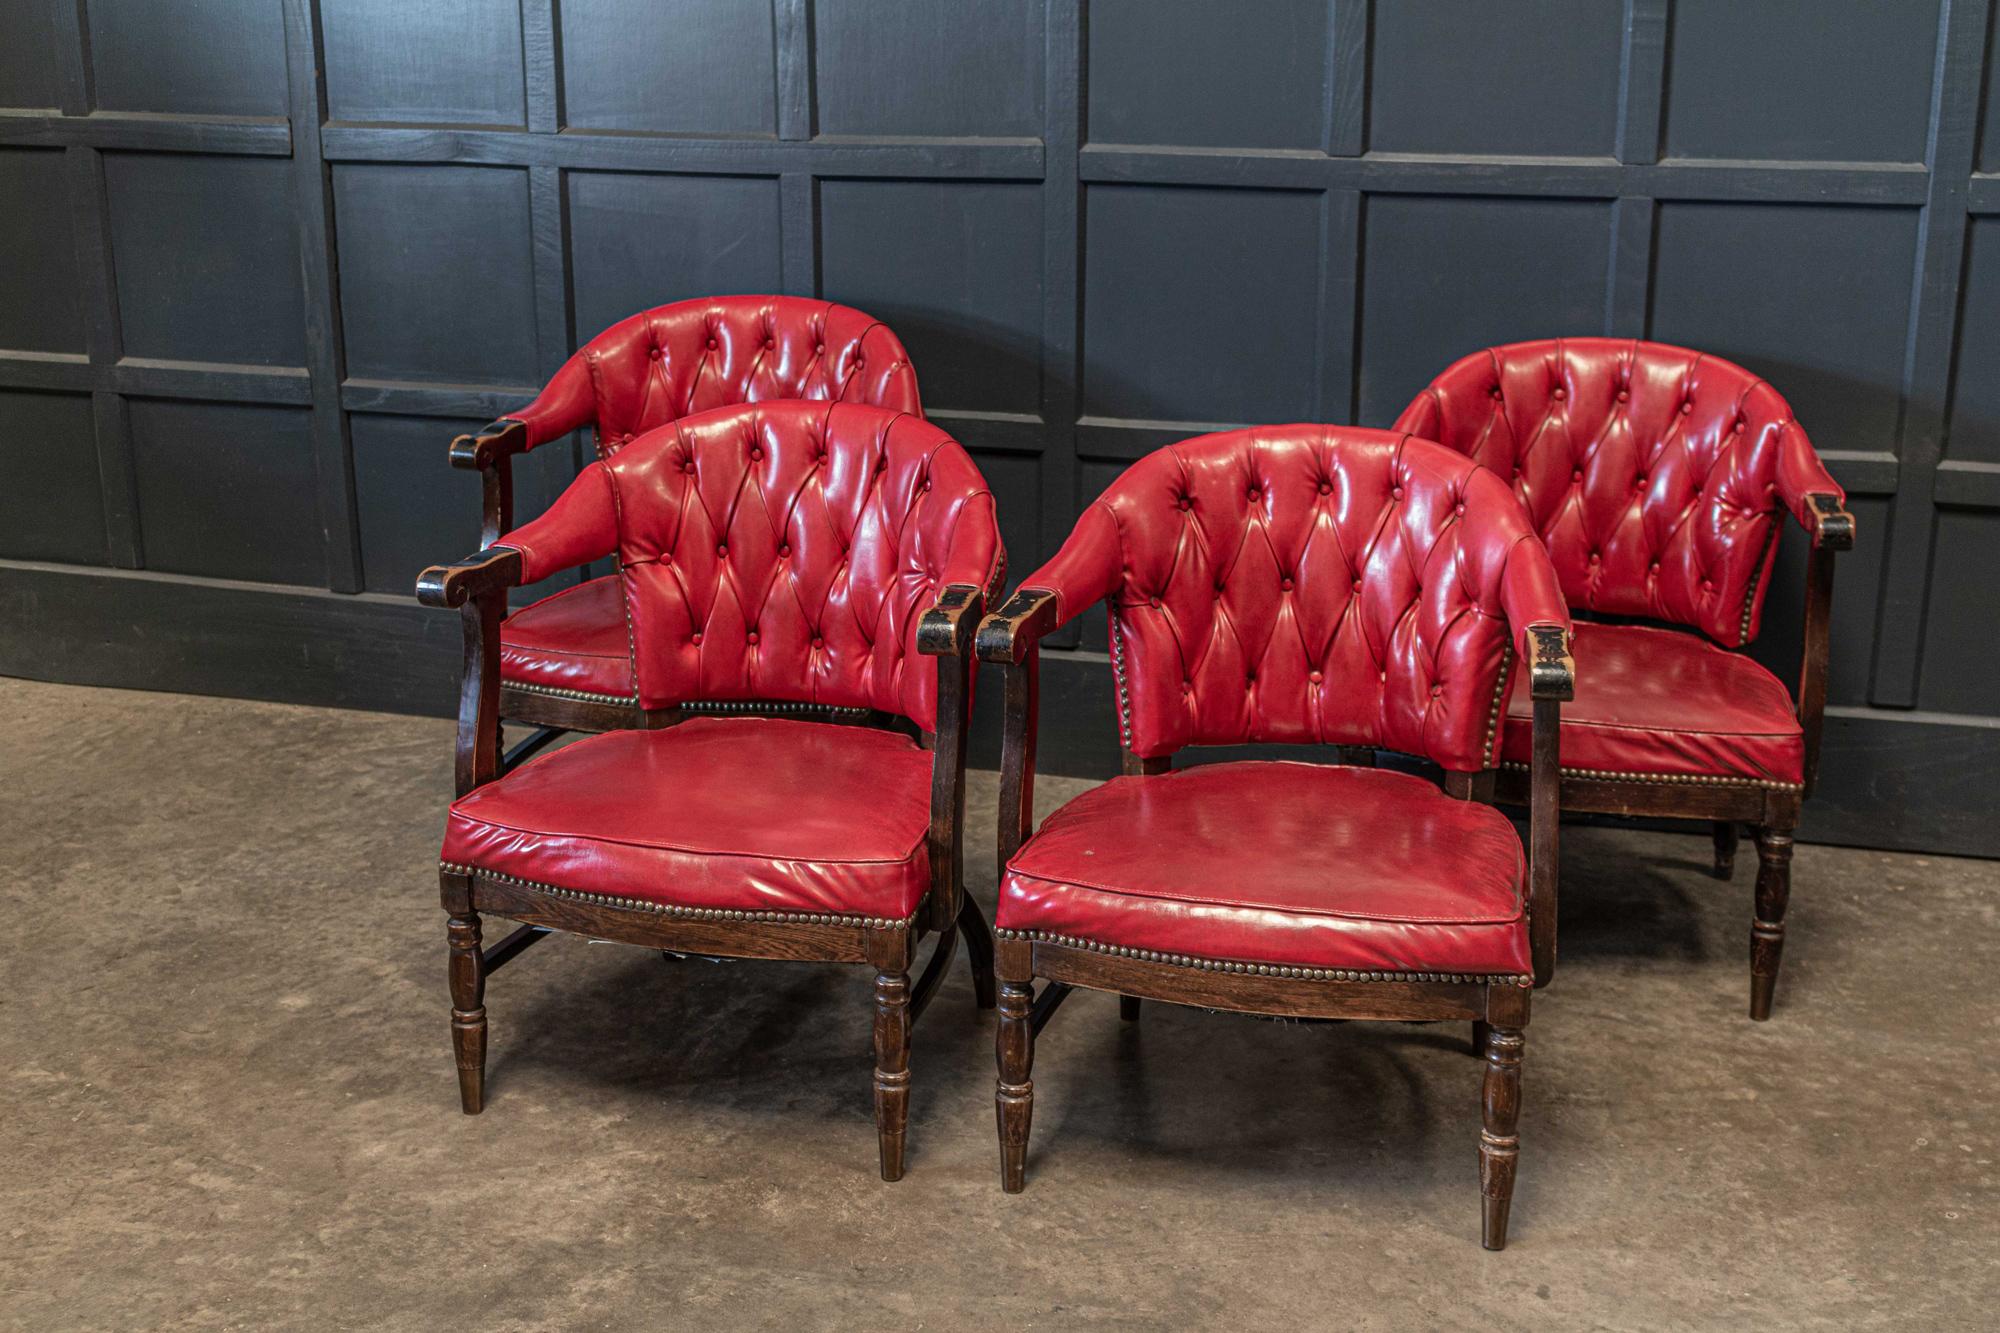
x,y
1725,849
892,1067
1499,1143
978,938
468,1009
1767,931
1014,1093
1128,1008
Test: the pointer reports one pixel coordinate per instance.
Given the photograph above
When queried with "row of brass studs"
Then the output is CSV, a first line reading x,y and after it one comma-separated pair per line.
x,y
1255,969
690,913
581,696
1666,779
1486,756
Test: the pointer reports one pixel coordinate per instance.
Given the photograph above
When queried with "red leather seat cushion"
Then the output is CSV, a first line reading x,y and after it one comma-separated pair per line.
x,y
1668,702
572,640
753,814
1300,864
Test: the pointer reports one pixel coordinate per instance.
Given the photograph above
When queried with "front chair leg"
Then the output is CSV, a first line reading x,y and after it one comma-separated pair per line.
x,y
1725,849
1767,931
1014,1093
468,1009
978,938
892,1067
1499,1140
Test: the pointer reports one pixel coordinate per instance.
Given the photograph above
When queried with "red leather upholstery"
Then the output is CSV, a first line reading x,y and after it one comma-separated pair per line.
x,y
779,551
1651,700
1309,583
665,363
744,814
661,365
1653,473
1304,865
573,641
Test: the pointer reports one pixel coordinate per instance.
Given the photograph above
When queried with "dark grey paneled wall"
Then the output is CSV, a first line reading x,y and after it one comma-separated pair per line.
x,y
264,256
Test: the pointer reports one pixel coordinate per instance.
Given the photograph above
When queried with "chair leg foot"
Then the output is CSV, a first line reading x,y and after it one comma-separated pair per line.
x,y
1014,1093
1499,1139
892,1068
467,973
1725,849
978,938
1128,1008
1767,929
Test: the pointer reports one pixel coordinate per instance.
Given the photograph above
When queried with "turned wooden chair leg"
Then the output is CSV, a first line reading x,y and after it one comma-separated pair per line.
x,y
892,1067
1767,930
1014,1093
1128,1008
468,1009
1725,849
1499,1141
978,938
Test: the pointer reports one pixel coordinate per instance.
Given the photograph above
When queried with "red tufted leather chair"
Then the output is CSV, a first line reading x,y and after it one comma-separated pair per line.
x,y
797,587
1658,477
1314,584
562,659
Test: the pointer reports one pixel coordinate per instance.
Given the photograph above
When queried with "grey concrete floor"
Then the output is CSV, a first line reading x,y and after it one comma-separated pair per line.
x,y
228,1097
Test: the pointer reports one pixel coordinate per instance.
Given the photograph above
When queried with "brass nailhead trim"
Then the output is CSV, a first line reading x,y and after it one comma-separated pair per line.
x,y
773,706
581,696
1666,779
1499,702
1750,592
1255,969
689,913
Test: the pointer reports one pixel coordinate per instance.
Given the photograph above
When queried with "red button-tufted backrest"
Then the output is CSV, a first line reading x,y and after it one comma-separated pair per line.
x,y
692,356
780,551
1654,474
1309,583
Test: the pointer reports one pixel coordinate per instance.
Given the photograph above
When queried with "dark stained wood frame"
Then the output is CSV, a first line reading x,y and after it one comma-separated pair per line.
x,y
1771,811
1497,1006
477,587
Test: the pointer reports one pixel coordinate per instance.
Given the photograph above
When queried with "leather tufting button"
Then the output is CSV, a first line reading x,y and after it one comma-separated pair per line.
x,y
1686,408
785,551
1316,677
1739,425
1561,394
1576,474
756,455
1219,589
1653,568
1397,493
818,642
1437,691
1494,393
1286,584
1459,509
1623,395
1326,488
655,353
927,483
1185,504
1357,585
819,349
751,637
1640,482
1254,493
1154,603
1593,557
722,550
711,343
697,636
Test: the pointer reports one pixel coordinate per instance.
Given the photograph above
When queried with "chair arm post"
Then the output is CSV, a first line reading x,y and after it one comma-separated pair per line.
x,y
477,586
490,451
1012,637
945,632
1551,679
1813,655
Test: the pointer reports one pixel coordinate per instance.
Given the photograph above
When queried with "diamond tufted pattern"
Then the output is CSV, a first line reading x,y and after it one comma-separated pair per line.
x,y
779,551
1309,583
691,356
1654,474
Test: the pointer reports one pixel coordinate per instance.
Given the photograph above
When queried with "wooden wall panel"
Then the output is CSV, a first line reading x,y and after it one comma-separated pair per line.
x,y
266,256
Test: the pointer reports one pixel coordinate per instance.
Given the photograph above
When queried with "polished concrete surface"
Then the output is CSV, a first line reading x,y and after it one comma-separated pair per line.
x,y
229,1097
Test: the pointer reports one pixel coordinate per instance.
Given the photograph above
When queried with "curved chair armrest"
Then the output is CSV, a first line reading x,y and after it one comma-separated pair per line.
x,y
489,444
493,570
1023,621
1833,527
946,628
1551,671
